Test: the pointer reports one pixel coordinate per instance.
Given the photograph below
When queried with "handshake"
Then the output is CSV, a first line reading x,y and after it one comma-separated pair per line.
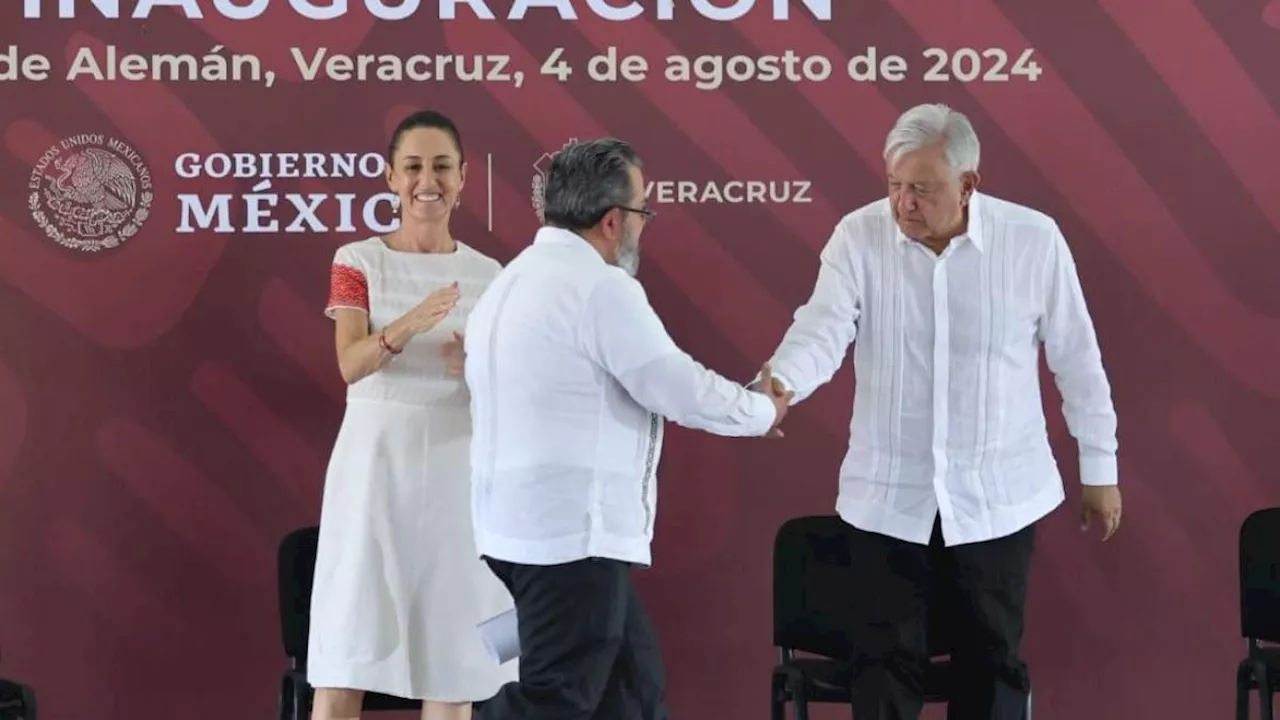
x,y
780,396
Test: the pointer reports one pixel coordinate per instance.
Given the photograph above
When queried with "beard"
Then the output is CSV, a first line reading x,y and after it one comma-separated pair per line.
x,y
629,254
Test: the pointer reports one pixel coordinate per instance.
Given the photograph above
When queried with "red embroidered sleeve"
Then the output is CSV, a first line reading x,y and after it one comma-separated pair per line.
x,y
347,289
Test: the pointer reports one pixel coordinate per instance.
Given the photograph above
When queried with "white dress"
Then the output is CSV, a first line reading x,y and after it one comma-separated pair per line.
x,y
399,586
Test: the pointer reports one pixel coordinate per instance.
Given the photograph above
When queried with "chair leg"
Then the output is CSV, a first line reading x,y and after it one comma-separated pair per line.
x,y
286,699
777,698
801,700
1264,690
305,697
28,703
295,699
1243,674
1027,714
301,701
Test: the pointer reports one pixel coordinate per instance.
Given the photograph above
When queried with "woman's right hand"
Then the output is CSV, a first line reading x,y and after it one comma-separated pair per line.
x,y
428,313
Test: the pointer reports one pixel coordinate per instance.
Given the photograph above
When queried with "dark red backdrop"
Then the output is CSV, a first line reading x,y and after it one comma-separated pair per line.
x,y
166,407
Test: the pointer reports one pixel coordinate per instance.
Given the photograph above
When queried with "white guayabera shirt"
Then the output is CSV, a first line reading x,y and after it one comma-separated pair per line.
x,y
947,417
571,374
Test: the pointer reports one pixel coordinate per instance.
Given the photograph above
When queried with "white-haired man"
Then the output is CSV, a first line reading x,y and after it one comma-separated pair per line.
x,y
950,294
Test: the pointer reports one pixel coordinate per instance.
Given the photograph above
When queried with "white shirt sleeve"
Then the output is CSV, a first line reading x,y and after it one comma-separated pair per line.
x,y
623,334
814,347
1072,354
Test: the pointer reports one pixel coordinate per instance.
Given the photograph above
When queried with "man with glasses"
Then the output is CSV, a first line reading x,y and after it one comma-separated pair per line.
x,y
571,376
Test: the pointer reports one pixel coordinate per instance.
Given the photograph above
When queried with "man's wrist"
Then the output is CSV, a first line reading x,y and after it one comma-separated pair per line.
x,y
783,382
766,416
1099,470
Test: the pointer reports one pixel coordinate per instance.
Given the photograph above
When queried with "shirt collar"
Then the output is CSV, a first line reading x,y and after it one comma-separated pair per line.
x,y
977,228
975,232
548,235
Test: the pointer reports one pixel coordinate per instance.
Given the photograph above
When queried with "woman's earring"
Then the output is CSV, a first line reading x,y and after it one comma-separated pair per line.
x,y
395,205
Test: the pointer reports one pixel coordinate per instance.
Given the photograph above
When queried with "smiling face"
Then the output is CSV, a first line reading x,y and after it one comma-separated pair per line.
x,y
427,174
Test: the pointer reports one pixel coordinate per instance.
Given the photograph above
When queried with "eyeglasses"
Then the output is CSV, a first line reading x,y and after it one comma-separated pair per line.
x,y
646,212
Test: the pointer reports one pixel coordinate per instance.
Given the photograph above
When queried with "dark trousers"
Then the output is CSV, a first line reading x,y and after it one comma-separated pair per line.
x,y
587,649
915,601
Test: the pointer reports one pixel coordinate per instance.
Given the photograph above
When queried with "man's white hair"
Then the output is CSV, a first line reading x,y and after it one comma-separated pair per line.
x,y
927,125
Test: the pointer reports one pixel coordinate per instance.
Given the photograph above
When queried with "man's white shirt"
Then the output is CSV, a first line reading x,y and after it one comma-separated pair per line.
x,y
571,374
947,417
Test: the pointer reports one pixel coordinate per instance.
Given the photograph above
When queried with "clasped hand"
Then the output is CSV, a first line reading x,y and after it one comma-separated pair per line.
x,y
781,397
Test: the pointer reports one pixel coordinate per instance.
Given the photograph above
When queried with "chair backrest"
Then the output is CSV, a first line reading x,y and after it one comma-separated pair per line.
x,y
1260,575
813,590
813,587
296,569
17,701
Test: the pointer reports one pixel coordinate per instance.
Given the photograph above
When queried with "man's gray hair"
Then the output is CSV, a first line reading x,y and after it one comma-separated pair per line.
x,y
586,180
926,125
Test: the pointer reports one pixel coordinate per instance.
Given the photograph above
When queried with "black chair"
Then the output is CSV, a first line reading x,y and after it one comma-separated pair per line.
x,y
812,588
17,701
297,569
1259,611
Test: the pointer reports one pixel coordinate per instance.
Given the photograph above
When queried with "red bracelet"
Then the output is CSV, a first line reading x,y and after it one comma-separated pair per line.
x,y
382,342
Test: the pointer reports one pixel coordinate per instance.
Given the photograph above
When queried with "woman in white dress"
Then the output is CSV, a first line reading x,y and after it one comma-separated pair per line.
x,y
399,587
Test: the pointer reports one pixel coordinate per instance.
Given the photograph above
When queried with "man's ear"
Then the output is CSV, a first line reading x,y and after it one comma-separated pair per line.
x,y
611,224
969,182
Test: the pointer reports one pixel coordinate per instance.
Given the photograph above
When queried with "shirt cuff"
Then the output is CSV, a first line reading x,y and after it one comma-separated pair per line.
x,y
1099,470
764,414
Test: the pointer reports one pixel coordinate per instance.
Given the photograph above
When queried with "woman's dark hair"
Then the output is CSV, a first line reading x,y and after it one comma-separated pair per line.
x,y
425,119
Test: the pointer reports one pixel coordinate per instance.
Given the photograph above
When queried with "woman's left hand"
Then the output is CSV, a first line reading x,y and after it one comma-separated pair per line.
x,y
454,355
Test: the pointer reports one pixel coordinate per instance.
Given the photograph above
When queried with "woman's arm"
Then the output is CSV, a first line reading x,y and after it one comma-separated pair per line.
x,y
362,352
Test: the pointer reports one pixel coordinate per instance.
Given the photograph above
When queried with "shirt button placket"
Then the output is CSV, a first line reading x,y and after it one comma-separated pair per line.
x,y
941,381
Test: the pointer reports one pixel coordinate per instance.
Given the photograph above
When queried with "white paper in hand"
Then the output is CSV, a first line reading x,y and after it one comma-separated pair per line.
x,y
501,636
